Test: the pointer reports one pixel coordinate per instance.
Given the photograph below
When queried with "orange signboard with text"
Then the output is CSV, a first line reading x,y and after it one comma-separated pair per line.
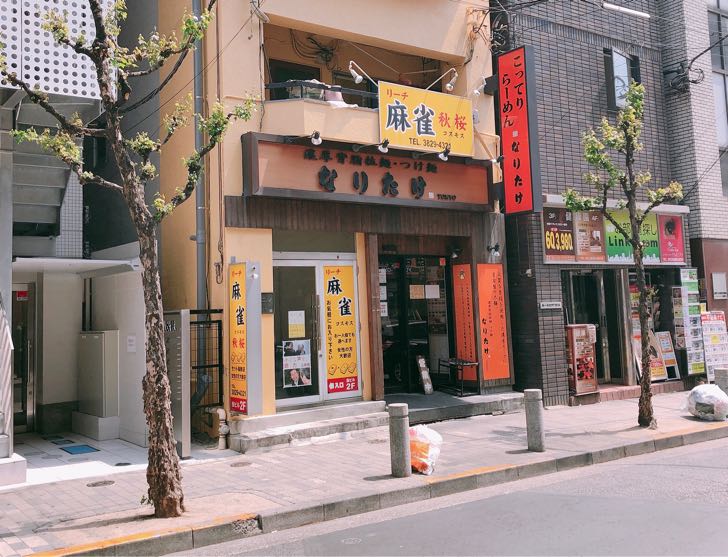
x,y
493,330
465,343
340,329
238,349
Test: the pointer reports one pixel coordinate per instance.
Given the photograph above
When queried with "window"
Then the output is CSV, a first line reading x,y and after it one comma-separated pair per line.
x,y
724,170
281,72
718,26
620,69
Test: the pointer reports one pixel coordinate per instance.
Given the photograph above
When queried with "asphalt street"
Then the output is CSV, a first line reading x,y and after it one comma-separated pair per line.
x,y
673,502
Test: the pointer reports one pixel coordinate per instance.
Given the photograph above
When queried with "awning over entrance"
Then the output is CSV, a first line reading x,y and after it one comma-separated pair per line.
x,y
87,268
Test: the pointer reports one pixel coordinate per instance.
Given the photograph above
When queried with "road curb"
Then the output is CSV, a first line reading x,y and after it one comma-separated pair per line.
x,y
222,529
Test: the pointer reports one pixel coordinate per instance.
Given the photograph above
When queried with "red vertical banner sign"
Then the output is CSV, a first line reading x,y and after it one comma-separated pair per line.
x,y
492,327
518,132
465,344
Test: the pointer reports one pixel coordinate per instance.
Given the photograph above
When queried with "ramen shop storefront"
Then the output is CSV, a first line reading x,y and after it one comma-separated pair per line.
x,y
310,238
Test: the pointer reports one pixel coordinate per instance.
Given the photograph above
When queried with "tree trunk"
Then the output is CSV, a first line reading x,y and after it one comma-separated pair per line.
x,y
645,416
163,471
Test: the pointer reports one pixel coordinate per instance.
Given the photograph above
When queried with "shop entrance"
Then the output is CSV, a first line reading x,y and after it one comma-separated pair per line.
x,y
415,317
316,329
597,297
23,333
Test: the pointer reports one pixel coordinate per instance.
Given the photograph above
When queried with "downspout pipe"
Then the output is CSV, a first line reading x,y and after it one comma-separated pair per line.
x,y
200,235
223,429
203,379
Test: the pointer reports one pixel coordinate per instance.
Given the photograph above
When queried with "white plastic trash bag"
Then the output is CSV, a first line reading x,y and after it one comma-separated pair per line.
x,y
708,402
425,446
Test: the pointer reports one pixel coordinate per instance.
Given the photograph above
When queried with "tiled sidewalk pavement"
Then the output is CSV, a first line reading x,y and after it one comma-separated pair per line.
x,y
69,513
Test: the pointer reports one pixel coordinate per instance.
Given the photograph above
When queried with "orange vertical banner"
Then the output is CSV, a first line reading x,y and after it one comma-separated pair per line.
x,y
340,329
238,367
492,327
465,344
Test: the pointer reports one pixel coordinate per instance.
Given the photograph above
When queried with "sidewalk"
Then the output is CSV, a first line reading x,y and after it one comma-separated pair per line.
x,y
327,479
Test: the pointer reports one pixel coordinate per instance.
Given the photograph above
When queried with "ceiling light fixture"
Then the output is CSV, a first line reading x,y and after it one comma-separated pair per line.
x,y
316,138
443,155
360,75
384,146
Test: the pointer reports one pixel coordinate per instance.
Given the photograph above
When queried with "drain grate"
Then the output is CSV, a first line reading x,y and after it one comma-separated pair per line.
x,y
239,464
102,483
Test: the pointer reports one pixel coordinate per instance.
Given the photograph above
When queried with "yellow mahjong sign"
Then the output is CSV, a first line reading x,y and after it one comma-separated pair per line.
x,y
422,120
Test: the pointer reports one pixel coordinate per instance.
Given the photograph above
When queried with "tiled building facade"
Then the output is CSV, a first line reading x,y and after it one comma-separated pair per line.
x,y
570,40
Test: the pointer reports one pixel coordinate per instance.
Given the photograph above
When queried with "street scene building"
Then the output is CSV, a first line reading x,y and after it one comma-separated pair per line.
x,y
389,226
573,268
353,236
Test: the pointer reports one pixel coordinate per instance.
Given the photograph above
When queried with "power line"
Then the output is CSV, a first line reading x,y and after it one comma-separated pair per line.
x,y
703,175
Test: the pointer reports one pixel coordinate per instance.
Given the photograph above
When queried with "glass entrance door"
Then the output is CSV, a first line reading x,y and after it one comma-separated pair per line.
x,y
296,333
414,314
316,331
586,304
23,333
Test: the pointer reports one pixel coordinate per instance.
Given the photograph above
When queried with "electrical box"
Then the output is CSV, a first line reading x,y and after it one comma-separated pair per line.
x,y
98,373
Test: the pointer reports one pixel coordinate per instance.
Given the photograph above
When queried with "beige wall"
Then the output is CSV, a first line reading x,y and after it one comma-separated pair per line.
x,y
61,296
118,304
431,28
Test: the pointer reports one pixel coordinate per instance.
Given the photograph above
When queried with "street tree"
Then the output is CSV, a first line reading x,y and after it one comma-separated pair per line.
x,y
117,67
610,151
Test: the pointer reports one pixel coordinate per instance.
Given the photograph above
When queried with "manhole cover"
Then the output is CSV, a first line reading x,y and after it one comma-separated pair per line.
x,y
239,464
123,464
102,483
376,441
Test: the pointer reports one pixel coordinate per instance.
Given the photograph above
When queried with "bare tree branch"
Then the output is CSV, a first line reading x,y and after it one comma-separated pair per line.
x,y
97,12
91,178
154,92
195,168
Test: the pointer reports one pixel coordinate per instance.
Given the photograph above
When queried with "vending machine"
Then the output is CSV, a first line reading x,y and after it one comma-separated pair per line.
x,y
581,358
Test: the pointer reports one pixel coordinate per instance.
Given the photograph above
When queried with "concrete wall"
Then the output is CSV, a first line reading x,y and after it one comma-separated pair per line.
x,y
118,304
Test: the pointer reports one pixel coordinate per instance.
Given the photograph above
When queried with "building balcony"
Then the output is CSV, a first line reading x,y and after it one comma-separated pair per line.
x,y
298,108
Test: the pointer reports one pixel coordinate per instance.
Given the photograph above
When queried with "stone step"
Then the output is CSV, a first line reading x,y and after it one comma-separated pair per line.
x,y
278,437
305,416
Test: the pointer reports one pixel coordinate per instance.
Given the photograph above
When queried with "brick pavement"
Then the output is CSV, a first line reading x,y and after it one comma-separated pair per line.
x,y
68,513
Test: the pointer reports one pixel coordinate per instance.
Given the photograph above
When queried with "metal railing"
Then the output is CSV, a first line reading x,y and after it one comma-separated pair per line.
x,y
206,360
303,89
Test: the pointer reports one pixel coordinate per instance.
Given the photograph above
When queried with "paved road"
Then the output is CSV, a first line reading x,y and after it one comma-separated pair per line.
x,y
673,502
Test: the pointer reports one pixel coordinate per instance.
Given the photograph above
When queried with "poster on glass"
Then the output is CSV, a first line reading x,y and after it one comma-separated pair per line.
x,y
296,363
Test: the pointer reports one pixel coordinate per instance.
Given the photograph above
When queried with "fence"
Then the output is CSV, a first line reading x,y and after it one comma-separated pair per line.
x,y
206,359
